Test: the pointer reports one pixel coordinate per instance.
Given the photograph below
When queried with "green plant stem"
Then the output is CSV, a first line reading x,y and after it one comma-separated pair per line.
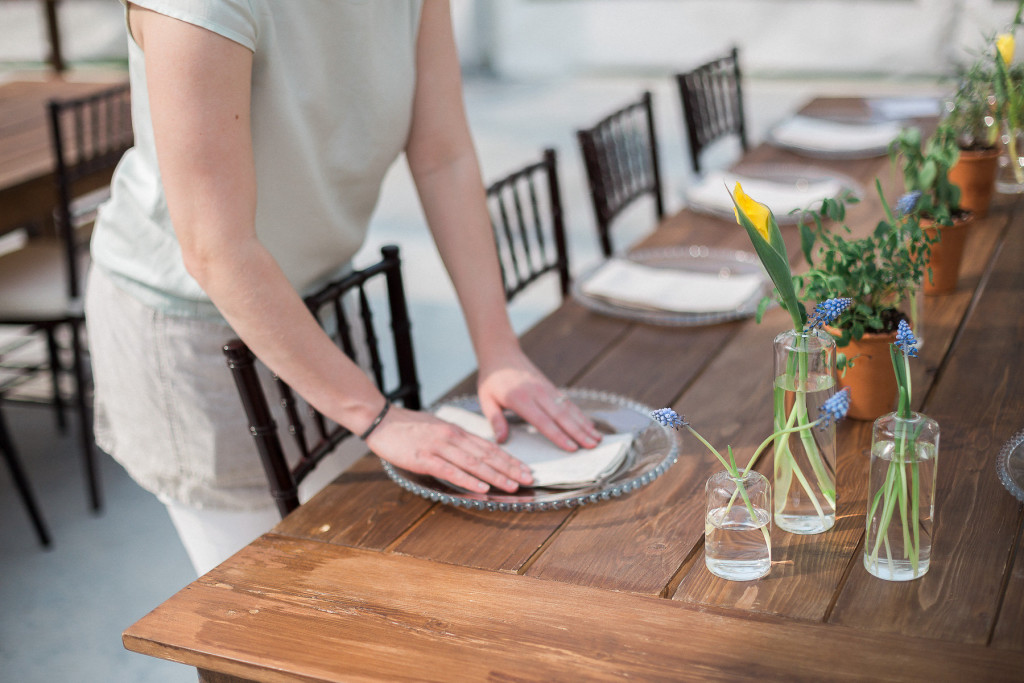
x,y
797,372
734,473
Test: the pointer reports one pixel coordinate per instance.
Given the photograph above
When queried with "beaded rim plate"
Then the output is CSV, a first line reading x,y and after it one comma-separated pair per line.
x,y
694,258
852,153
1010,465
795,174
655,448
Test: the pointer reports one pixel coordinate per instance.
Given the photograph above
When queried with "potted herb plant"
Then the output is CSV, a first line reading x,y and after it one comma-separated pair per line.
x,y
925,165
881,273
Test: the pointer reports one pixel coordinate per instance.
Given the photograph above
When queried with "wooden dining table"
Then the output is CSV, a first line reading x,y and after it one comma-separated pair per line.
x,y
27,186
368,581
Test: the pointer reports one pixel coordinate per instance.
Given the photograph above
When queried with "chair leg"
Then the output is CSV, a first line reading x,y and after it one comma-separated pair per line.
x,y
88,440
21,483
53,351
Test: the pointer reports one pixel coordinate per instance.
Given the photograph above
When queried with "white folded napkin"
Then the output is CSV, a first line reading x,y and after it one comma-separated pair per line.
x,y
834,136
663,289
779,196
550,465
897,108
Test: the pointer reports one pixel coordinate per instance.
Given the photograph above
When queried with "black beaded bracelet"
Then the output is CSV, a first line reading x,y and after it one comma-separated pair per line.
x,y
377,420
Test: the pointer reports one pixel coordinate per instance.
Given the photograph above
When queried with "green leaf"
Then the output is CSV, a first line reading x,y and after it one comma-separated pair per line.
x,y
775,261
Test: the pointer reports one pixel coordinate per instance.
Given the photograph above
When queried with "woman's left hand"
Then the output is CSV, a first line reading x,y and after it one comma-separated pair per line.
x,y
516,384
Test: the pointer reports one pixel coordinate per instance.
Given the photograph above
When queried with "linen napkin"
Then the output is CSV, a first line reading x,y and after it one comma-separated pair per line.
x,y
780,196
823,135
551,466
897,108
634,284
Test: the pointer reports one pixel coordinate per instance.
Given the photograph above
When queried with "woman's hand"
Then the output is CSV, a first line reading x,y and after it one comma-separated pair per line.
x,y
421,443
516,384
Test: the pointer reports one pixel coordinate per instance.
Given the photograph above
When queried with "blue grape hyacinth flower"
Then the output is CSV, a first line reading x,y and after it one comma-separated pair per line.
x,y
835,408
905,340
669,418
827,311
908,202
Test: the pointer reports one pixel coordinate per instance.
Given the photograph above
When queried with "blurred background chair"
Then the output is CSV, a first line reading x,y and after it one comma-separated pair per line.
x,y
620,154
21,483
343,320
712,100
529,229
40,282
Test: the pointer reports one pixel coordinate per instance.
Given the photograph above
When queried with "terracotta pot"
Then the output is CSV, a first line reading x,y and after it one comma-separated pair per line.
x,y
946,255
871,380
975,174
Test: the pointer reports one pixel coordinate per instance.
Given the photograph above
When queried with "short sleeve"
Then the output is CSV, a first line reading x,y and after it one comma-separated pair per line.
x,y
233,19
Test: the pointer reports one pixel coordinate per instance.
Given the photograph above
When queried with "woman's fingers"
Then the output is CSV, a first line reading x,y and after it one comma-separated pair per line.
x,y
424,444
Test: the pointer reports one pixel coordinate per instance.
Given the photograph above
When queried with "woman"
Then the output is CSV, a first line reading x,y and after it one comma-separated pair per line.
x,y
263,132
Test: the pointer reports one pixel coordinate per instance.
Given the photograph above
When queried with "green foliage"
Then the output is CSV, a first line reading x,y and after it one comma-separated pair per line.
x,y
972,111
879,272
925,165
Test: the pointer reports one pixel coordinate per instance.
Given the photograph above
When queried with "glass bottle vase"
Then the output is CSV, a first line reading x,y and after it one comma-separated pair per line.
x,y
1010,173
804,472
901,496
737,526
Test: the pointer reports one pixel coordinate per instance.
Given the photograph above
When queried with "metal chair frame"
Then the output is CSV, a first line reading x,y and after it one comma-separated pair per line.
x,y
327,305
21,483
620,154
712,101
528,224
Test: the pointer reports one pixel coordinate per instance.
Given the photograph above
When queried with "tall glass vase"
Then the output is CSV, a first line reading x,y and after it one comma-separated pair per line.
x,y
805,460
901,496
1010,175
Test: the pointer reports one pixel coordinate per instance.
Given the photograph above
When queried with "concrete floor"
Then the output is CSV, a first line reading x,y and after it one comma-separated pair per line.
x,y
64,609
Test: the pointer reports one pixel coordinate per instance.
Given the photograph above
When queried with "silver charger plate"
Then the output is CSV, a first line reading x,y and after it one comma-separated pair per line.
x,y
1010,465
700,259
654,449
793,174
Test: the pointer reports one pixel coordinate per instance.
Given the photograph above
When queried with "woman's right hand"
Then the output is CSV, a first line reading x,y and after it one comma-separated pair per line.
x,y
419,442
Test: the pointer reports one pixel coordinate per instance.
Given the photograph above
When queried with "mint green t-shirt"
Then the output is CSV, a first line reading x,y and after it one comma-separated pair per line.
x,y
332,95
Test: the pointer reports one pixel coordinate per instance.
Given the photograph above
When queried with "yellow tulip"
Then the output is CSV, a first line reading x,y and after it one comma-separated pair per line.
x,y
1005,46
758,213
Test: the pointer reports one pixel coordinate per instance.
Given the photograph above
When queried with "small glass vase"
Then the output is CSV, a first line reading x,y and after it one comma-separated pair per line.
x,y
805,461
1010,174
737,526
901,496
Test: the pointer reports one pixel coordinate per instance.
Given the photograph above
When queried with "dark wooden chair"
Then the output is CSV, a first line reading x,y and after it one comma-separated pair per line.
x,y
620,154
21,483
712,100
40,283
529,229
330,308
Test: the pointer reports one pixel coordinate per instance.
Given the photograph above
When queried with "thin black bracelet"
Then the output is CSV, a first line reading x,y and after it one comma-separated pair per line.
x,y
376,422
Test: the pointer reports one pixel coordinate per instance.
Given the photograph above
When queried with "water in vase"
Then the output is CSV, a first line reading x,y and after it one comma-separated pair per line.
x,y
805,461
736,545
901,504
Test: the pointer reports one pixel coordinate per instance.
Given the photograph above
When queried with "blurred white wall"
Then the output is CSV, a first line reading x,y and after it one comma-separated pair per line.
x,y
531,38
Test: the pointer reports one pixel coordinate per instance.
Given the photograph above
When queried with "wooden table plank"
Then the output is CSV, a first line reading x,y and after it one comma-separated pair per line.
x,y
1009,630
294,610
976,403
361,508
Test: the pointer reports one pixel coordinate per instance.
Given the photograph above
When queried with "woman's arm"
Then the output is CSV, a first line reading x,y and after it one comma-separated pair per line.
x,y
443,163
200,103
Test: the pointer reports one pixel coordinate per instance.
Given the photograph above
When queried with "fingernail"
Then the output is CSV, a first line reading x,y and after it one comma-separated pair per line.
x,y
482,487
